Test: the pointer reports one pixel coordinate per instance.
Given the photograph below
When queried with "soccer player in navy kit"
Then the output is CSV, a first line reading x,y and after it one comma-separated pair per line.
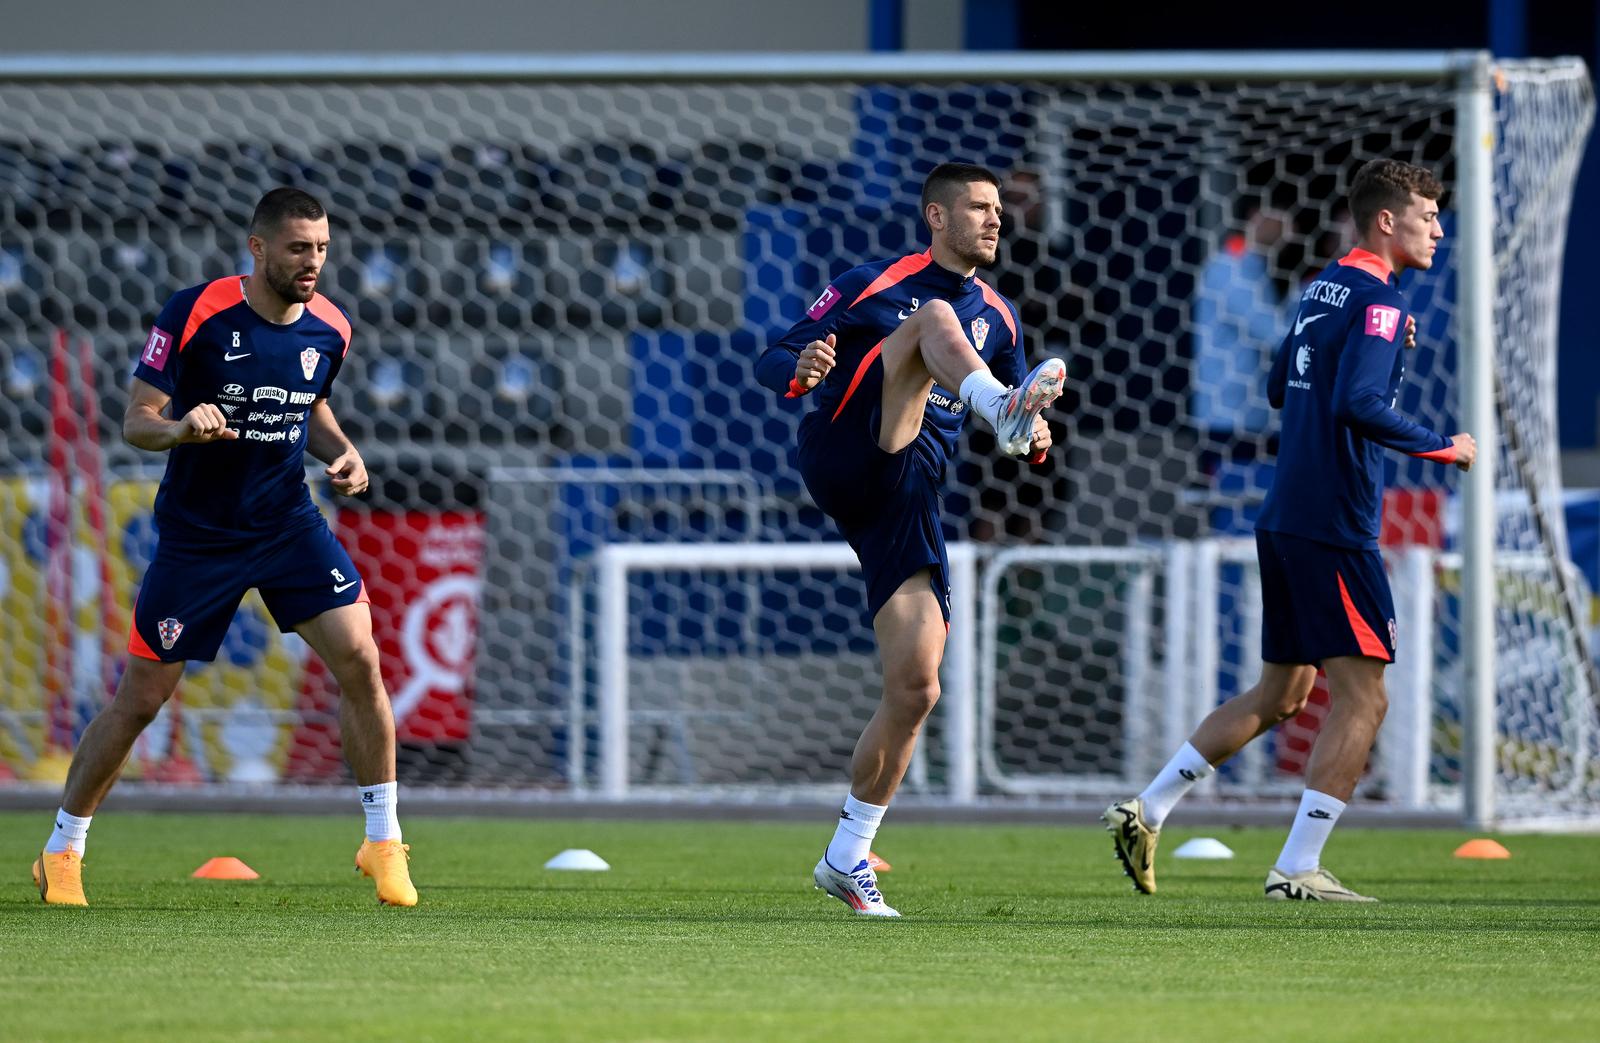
x,y
243,366
1325,595
895,353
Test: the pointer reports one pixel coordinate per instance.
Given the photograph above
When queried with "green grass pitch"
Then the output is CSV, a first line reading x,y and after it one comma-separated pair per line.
x,y
712,931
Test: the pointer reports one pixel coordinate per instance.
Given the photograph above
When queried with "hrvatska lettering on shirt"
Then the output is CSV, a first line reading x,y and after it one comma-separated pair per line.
x,y
1322,291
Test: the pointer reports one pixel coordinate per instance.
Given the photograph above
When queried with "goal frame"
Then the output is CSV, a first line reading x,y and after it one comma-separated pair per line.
x,y
1471,73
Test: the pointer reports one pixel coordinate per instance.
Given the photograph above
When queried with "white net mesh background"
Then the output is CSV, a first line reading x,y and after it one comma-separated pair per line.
x,y
558,291
1547,746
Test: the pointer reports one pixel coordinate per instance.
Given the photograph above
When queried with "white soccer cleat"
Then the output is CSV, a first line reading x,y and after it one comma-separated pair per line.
x,y
858,888
1318,885
1014,432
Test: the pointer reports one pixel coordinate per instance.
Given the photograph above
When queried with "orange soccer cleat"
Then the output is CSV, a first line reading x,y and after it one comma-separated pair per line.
x,y
385,861
59,878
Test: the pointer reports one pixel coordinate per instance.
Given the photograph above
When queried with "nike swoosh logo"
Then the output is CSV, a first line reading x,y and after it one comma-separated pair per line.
x,y
1308,320
345,587
229,358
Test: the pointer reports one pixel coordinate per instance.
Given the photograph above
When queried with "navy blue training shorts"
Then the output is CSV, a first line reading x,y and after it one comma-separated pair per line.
x,y
1320,601
886,505
191,591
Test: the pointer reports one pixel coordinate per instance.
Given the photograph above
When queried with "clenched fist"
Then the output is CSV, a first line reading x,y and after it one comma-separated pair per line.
x,y
205,423
815,363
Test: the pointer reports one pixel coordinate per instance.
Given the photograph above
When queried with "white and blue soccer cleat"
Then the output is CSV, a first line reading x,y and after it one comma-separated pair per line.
x,y
858,888
1014,432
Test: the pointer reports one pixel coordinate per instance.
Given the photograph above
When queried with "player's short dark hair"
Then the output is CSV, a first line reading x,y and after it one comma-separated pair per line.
x,y
280,204
945,178
1387,184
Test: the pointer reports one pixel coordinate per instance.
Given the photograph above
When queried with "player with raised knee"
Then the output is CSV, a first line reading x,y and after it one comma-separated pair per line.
x,y
896,352
1325,595
233,384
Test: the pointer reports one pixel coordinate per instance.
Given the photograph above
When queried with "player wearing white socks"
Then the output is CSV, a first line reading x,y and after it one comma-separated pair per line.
x,y
896,354
1325,594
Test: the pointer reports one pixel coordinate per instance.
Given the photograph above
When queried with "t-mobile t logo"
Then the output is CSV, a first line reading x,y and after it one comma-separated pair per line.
x,y
157,348
1382,321
820,306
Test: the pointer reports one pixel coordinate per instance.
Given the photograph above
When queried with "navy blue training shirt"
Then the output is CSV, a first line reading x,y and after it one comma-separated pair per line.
x,y
1336,378
209,346
869,302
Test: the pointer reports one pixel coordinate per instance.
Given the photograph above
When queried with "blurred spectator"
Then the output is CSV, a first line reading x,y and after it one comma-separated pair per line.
x,y
1034,267
1237,319
12,260
1337,237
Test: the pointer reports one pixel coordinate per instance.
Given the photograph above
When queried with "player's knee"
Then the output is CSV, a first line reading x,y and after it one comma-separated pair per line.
x,y
138,704
144,688
1376,702
1371,700
914,701
356,666
1288,704
936,313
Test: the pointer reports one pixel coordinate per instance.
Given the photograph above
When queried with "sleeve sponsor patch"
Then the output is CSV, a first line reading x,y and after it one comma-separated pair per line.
x,y
1382,321
822,304
157,349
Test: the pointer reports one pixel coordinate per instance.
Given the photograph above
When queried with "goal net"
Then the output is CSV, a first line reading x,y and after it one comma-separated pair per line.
x,y
559,285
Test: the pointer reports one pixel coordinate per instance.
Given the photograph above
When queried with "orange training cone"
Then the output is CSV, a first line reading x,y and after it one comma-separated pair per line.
x,y
1482,847
225,869
876,864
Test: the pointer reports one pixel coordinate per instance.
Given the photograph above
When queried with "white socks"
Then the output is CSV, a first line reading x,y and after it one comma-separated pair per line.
x,y
1185,769
984,394
858,824
71,831
383,820
1313,823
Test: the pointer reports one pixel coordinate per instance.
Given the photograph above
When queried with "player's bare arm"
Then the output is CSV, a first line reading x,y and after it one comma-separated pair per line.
x,y
815,363
326,441
145,425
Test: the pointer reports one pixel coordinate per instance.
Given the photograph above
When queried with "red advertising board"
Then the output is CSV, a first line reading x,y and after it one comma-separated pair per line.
x,y
422,571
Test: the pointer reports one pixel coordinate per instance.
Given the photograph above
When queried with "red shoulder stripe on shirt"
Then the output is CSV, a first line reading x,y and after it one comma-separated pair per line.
x,y
1368,262
906,266
218,295
998,303
325,310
